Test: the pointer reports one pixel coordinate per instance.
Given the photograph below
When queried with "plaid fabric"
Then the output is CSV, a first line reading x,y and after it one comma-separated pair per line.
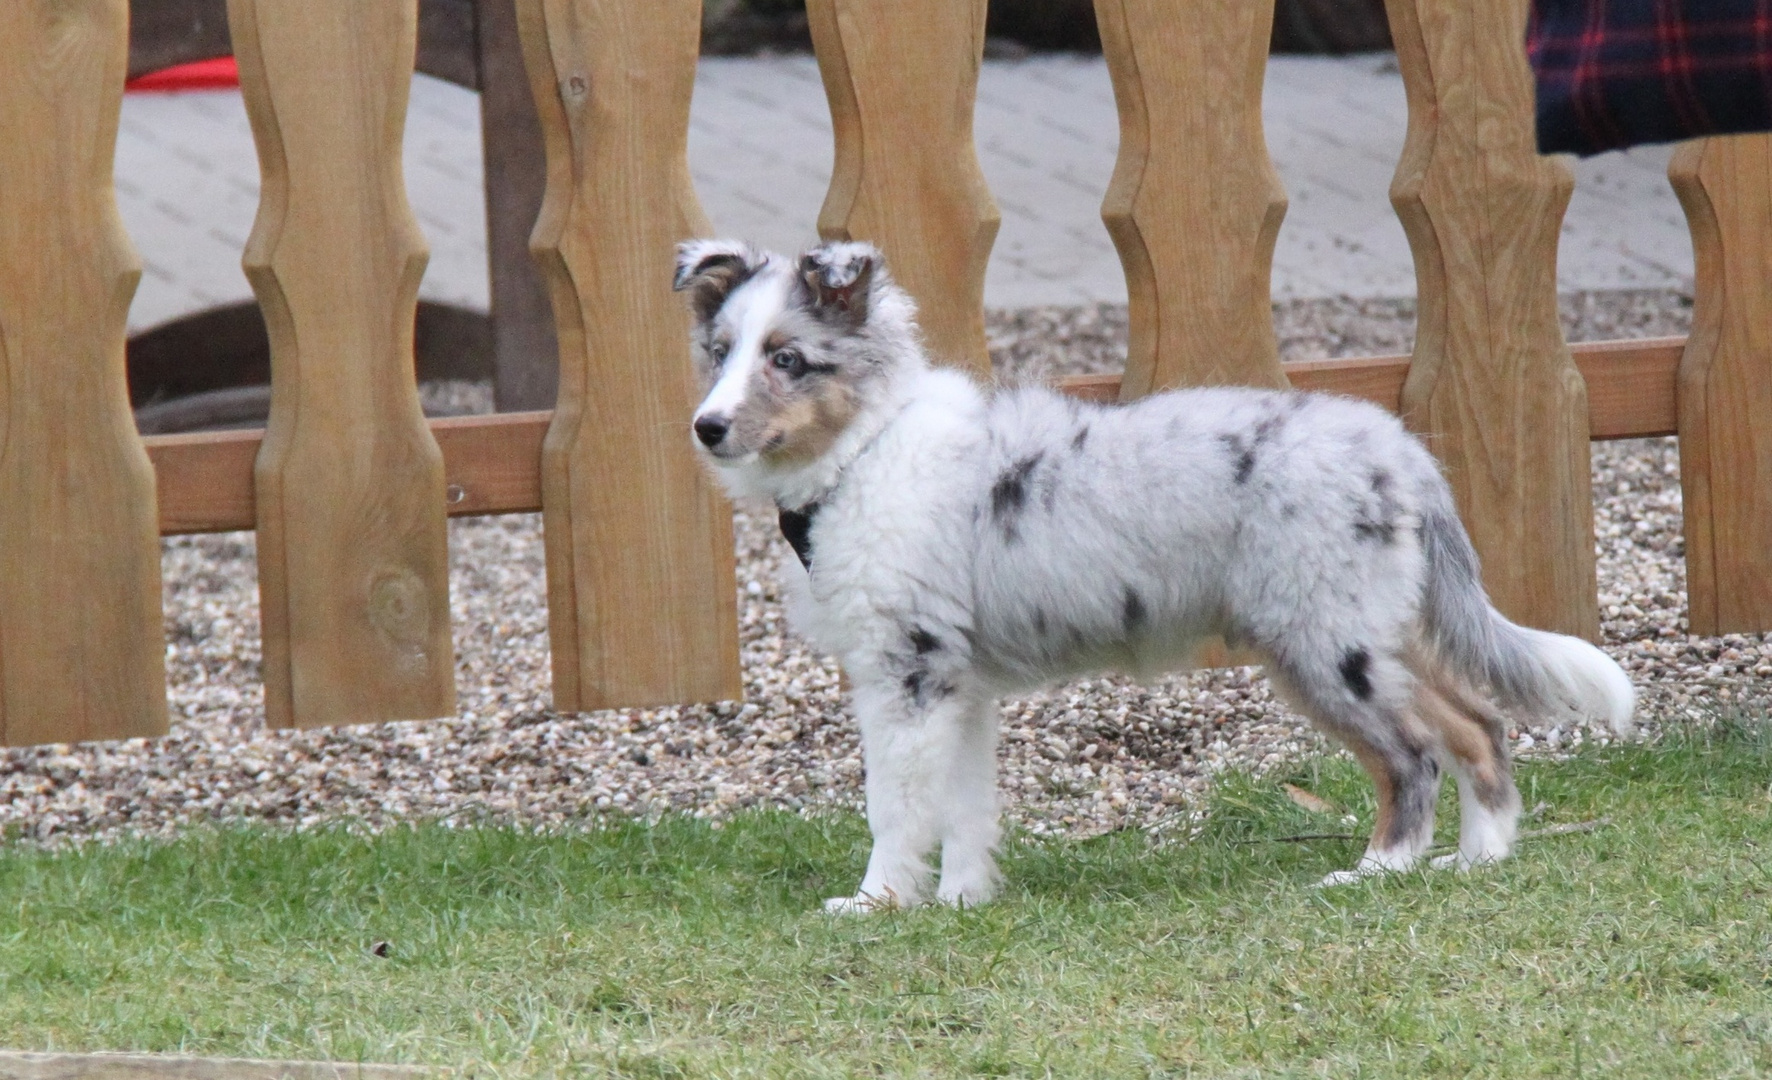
x,y
1614,73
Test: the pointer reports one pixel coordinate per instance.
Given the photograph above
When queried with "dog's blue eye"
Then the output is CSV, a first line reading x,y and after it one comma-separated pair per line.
x,y
789,361
717,351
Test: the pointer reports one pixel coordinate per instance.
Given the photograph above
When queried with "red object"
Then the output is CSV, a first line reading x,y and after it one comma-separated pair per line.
x,y
218,74
1615,73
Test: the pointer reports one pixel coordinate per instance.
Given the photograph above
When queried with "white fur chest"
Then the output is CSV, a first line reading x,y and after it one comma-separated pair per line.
x,y
890,545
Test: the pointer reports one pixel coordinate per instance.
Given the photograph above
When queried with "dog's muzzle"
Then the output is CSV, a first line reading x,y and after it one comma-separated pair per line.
x,y
711,430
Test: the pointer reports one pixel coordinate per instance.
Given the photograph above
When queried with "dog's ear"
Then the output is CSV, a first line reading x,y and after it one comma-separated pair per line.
x,y
839,276
709,270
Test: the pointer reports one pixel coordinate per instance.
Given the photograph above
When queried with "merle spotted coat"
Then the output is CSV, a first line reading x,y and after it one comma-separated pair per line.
x,y
962,544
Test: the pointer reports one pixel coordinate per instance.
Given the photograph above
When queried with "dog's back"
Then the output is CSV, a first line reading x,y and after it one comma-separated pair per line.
x,y
1121,534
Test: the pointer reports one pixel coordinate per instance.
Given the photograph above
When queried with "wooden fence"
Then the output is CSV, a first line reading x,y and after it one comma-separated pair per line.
x,y
349,487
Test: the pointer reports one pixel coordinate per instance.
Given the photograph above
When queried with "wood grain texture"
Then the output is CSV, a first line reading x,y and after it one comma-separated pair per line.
x,y
1194,205
19,1065
491,464
1492,384
1631,386
901,78
352,541
1725,381
81,640
641,602
205,480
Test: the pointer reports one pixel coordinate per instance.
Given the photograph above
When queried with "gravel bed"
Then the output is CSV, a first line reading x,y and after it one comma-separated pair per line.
x,y
1083,758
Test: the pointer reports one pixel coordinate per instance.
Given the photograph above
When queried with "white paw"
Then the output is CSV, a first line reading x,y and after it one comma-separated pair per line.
x,y
1370,865
1459,861
862,904
966,898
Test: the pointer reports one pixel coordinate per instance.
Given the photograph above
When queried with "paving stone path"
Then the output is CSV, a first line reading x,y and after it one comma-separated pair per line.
x,y
760,153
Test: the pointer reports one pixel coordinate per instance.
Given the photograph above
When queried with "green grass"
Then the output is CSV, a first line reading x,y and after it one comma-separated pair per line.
x,y
1643,948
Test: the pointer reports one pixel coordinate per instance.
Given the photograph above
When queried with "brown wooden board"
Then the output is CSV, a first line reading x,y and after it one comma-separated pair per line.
x,y
1725,382
82,646
1492,384
1194,206
492,465
21,1065
1631,386
352,542
901,78
641,602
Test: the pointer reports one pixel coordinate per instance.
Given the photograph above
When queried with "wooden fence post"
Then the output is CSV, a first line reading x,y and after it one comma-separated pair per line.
x,y
1725,396
526,356
902,78
1194,205
642,606
1492,384
82,644
352,542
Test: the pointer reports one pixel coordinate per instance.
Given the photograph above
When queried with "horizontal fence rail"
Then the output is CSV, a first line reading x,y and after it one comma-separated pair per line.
x,y
349,487
493,462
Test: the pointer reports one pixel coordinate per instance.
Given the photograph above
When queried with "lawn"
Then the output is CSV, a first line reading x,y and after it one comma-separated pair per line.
x,y
1641,948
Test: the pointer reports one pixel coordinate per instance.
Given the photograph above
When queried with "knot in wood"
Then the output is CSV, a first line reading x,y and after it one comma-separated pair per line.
x,y
400,610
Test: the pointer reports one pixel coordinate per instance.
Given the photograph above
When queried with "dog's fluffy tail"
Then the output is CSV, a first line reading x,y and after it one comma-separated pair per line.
x,y
1539,673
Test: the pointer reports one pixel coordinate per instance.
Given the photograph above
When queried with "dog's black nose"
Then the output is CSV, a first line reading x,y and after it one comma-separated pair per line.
x,y
711,429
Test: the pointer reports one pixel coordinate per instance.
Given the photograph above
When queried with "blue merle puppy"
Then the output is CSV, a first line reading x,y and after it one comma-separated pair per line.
x,y
960,544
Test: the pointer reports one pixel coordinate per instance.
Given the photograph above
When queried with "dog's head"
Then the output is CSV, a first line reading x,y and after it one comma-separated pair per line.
x,y
790,352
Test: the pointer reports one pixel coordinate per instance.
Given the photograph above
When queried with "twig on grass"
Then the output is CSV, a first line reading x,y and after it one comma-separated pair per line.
x,y
1298,839
1548,830
1529,834
1564,830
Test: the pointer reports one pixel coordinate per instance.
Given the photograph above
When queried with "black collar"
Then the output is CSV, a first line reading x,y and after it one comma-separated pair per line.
x,y
796,528
796,525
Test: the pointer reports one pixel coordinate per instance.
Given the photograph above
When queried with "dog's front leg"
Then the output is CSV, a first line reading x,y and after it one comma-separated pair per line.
x,y
969,813
911,737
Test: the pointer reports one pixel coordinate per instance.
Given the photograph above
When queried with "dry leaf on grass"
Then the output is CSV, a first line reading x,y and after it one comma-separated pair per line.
x,y
1316,804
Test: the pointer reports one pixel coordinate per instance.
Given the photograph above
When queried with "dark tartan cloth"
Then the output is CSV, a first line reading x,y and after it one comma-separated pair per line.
x,y
1614,73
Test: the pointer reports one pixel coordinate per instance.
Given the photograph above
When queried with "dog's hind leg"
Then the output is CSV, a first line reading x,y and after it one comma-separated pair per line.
x,y
1475,736
1361,698
969,825
908,746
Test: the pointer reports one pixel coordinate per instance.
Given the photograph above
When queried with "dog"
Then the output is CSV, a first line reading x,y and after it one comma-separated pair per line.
x,y
960,544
